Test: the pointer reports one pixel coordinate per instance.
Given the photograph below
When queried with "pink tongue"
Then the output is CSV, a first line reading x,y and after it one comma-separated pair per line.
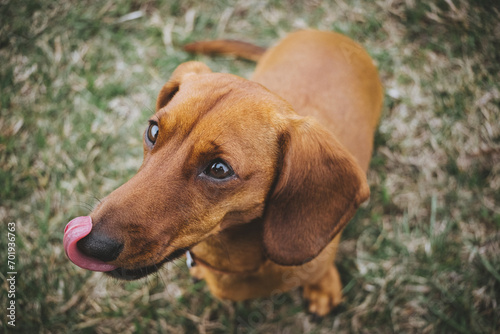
x,y
77,229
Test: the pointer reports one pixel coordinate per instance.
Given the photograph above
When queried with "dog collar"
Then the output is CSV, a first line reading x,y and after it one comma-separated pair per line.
x,y
192,260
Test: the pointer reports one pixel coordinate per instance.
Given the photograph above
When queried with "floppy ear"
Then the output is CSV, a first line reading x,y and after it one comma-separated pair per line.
x,y
172,86
316,193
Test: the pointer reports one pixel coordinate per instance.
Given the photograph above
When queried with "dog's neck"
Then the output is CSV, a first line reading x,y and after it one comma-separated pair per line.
x,y
237,249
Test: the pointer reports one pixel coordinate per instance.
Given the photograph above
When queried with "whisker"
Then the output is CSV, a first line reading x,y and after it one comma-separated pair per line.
x,y
96,199
152,111
85,205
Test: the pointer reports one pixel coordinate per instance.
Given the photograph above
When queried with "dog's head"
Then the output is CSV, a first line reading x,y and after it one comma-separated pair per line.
x,y
221,150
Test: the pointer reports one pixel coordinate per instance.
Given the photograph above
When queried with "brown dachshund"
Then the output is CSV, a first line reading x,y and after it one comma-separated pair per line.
x,y
256,178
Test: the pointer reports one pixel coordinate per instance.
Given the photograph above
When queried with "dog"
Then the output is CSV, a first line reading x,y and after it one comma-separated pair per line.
x,y
255,178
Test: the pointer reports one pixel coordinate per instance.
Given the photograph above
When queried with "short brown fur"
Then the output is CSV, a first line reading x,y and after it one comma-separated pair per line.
x,y
299,137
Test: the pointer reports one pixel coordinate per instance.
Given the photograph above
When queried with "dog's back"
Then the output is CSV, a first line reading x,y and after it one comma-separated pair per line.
x,y
330,77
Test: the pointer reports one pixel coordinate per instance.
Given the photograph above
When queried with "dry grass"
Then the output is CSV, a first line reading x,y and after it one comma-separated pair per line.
x,y
78,81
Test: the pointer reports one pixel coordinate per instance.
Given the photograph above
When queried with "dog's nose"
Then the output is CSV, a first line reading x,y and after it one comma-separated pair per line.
x,y
100,246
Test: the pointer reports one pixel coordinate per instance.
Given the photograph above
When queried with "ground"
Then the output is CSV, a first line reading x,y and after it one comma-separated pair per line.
x,y
78,80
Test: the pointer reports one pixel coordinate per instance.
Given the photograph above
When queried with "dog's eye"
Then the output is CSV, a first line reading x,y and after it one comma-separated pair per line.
x,y
219,169
152,133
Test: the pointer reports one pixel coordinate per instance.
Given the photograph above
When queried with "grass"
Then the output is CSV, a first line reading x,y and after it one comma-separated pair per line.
x,y
79,80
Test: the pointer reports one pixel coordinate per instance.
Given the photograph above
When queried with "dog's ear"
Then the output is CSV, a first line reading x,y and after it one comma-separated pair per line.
x,y
317,191
172,86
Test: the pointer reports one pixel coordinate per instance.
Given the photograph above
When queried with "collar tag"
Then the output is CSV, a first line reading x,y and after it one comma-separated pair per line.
x,y
189,260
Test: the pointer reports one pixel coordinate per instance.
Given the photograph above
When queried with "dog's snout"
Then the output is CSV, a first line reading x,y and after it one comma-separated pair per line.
x,y
100,246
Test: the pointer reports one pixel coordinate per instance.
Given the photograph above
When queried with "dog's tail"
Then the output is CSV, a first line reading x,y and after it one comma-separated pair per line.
x,y
227,47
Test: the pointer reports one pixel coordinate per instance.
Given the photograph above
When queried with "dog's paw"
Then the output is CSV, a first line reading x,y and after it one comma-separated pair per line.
x,y
324,295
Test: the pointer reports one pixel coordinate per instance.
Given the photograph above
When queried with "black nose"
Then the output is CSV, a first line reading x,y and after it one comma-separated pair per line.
x,y
100,246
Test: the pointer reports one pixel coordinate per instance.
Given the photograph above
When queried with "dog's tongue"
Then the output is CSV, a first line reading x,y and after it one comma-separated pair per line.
x,y
77,229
